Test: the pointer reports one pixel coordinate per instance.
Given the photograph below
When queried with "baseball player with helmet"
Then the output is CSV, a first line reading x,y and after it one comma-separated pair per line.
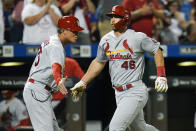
x,y
124,49
13,112
46,75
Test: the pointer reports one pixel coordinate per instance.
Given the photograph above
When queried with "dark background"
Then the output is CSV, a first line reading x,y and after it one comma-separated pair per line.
x,y
100,100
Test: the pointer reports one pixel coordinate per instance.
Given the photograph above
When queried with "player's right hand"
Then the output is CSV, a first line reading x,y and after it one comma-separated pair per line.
x,y
161,84
78,89
62,87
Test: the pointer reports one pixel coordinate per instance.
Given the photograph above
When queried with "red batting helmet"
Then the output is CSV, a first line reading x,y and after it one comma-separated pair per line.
x,y
70,23
119,10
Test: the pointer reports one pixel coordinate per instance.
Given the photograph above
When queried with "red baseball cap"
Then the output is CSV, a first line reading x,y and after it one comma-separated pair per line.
x,y
70,23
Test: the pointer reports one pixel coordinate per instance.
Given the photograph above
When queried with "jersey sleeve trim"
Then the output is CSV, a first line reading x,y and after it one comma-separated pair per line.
x,y
101,60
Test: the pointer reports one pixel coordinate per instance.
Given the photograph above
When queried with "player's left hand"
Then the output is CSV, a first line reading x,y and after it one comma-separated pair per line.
x,y
62,87
161,84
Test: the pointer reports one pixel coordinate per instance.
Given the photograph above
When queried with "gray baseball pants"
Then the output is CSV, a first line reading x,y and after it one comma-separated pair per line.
x,y
129,112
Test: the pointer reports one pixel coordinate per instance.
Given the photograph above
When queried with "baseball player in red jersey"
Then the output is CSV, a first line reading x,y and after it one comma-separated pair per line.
x,y
46,75
124,49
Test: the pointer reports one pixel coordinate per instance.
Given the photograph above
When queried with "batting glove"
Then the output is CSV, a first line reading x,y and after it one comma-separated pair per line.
x,y
161,84
78,89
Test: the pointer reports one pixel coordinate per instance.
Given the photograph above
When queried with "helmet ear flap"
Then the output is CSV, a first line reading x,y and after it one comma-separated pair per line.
x,y
122,24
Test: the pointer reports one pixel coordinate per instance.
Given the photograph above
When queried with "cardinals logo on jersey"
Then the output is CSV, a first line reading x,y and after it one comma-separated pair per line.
x,y
125,44
7,118
107,46
117,52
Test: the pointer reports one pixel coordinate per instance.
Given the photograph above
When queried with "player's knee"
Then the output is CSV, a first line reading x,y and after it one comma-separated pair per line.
x,y
139,128
116,126
144,127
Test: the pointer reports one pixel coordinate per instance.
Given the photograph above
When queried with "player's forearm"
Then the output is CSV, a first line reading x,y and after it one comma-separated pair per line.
x,y
54,16
94,69
159,61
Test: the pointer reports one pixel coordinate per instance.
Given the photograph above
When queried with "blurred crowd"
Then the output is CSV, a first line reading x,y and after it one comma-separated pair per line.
x,y
178,25
33,21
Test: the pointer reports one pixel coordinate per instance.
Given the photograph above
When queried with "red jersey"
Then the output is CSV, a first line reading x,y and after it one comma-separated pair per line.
x,y
145,23
72,69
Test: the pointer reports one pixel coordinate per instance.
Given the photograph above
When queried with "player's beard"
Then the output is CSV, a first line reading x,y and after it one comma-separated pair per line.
x,y
115,30
119,30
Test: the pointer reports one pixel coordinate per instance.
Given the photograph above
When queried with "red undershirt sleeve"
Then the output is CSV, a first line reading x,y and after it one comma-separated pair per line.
x,y
56,71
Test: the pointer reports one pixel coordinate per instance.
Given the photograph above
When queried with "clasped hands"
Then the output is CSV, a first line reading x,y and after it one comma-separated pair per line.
x,y
76,91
